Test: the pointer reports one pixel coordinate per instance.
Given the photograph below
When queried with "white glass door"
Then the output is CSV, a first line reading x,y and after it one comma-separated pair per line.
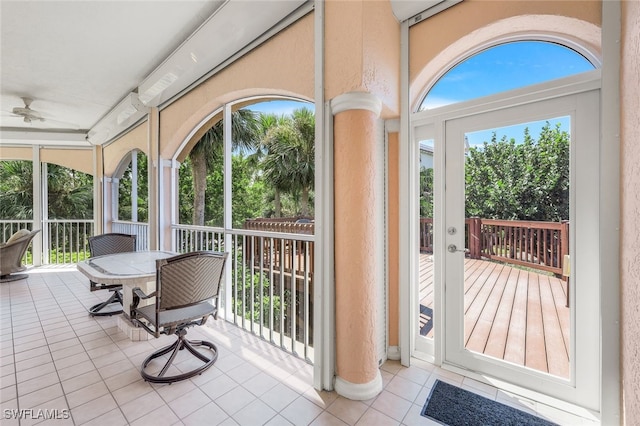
x,y
520,269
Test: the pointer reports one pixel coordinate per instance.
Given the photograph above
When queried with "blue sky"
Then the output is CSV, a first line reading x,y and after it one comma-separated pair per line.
x,y
503,68
281,107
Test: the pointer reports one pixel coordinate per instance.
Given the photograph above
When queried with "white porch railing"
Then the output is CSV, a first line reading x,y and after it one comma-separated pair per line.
x,y
139,229
271,289
9,227
63,241
66,241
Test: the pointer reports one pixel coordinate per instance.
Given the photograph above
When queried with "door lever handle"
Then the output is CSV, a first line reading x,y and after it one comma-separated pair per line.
x,y
452,248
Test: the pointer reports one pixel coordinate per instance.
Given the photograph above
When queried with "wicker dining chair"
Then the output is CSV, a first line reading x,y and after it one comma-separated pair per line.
x,y
100,245
187,289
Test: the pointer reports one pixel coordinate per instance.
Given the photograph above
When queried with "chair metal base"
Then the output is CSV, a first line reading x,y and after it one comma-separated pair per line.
x,y
180,344
13,277
116,297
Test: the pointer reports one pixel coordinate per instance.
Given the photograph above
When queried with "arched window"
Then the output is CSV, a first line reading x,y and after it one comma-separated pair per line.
x,y
505,67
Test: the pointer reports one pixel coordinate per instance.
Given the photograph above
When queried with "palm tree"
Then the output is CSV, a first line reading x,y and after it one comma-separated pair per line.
x,y
289,164
244,133
16,190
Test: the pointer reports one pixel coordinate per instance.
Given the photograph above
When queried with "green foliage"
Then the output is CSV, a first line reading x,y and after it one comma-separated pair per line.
x,y
289,162
16,190
70,193
254,306
527,181
517,181
426,192
124,192
56,256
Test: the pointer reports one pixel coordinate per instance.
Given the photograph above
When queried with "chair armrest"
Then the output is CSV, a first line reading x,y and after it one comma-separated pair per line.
x,y
139,294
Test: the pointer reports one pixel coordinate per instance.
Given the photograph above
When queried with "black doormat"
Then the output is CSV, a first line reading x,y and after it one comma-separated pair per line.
x,y
452,406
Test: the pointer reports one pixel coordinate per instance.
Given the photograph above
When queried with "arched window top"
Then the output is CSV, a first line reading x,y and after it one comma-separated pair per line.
x,y
505,67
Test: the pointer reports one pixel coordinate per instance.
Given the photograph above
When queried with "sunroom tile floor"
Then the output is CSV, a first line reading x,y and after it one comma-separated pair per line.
x,y
55,357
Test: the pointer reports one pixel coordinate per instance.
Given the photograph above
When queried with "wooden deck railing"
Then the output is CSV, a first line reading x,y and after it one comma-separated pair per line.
x,y
539,245
293,255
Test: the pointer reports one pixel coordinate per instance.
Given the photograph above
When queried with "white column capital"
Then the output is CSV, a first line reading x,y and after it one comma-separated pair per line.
x,y
356,100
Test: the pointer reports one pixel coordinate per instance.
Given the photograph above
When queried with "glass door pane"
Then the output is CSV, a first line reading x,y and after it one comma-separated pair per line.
x,y
516,198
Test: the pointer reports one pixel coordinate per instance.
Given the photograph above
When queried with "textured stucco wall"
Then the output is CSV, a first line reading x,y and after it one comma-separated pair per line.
x,y
630,210
355,197
283,65
114,152
361,51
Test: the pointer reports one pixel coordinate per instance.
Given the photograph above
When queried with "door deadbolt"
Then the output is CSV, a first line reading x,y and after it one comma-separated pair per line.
x,y
451,230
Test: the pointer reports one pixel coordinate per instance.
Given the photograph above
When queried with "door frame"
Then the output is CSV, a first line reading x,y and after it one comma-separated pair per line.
x,y
585,82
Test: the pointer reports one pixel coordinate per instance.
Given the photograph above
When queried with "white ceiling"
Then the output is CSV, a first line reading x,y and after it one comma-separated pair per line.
x,y
78,59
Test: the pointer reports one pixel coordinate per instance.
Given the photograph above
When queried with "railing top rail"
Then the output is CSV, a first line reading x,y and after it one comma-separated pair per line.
x,y
68,220
247,232
523,223
128,222
9,221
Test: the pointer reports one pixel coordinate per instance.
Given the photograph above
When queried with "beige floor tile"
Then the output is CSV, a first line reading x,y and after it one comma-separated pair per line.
x,y
8,393
41,396
279,397
114,368
218,387
81,381
140,406
8,380
131,391
189,402
322,399
210,414
86,394
414,374
23,356
35,372
33,362
301,411
122,379
348,410
374,417
112,418
71,361
260,383
255,414
93,409
278,420
175,390
162,416
66,352
392,405
76,370
37,383
69,334
235,400
403,388
413,417
327,419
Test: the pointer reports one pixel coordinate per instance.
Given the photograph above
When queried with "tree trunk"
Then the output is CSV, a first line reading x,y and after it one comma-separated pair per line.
x,y
199,172
304,202
278,205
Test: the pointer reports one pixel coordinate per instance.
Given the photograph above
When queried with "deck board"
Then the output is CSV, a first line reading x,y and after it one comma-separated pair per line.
x,y
512,314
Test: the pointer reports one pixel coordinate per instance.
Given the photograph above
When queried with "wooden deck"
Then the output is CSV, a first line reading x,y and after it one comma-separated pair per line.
x,y
511,314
